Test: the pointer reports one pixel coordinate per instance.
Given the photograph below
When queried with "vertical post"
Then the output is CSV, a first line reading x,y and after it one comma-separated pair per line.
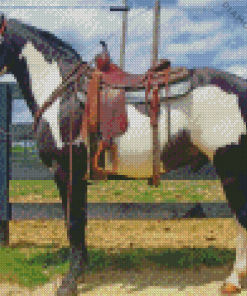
x,y
125,10
5,144
124,31
156,33
156,148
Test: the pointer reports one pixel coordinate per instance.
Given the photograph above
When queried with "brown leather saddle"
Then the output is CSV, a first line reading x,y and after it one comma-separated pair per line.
x,y
106,110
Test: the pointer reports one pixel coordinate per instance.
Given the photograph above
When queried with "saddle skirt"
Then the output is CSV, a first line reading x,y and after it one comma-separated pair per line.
x,y
105,108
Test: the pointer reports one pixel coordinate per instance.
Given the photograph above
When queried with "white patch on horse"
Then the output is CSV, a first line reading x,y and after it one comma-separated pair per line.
x,y
215,120
136,145
44,78
212,117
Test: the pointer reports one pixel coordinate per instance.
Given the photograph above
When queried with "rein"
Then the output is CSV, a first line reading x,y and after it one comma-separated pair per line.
x,y
80,69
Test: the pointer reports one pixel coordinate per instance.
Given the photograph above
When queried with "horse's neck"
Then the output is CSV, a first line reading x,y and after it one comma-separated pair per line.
x,y
44,77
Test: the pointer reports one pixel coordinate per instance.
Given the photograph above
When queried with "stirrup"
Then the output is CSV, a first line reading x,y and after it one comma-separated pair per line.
x,y
230,289
98,170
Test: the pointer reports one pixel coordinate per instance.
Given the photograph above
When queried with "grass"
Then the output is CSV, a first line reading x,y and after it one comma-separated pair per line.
x,y
120,191
124,191
43,188
34,266
21,149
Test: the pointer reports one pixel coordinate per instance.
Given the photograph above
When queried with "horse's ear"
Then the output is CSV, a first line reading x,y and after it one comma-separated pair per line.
x,y
3,25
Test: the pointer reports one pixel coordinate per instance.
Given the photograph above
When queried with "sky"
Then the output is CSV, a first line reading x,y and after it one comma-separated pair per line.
x,y
193,34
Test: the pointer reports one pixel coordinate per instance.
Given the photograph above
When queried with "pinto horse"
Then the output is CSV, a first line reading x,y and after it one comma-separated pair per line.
x,y
209,105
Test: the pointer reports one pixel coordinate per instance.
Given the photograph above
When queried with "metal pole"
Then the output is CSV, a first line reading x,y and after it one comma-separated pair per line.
x,y
156,32
156,148
125,10
124,29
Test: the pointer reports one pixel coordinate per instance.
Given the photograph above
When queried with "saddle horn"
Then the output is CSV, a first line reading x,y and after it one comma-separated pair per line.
x,y
104,45
103,59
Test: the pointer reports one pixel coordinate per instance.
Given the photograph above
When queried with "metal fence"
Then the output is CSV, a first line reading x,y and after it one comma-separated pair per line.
x,y
25,163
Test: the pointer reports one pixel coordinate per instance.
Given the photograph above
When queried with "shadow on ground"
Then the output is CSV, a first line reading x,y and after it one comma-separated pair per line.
x,y
152,276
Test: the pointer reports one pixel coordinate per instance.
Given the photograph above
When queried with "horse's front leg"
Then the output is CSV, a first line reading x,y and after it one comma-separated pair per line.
x,y
77,221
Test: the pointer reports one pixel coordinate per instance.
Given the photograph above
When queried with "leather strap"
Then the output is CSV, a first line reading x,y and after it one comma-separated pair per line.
x,y
167,78
80,68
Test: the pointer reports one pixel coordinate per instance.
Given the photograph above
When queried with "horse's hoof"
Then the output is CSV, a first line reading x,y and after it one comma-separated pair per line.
x,y
67,291
230,289
243,274
68,287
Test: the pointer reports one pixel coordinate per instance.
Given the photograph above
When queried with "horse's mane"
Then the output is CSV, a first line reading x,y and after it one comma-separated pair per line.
x,y
33,34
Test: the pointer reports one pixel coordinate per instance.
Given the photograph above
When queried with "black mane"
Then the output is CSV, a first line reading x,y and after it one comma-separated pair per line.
x,y
52,48
53,40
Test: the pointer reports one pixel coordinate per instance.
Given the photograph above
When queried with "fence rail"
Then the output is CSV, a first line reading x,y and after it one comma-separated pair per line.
x,y
115,211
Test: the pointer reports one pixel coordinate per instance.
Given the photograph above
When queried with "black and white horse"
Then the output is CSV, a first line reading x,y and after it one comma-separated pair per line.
x,y
210,105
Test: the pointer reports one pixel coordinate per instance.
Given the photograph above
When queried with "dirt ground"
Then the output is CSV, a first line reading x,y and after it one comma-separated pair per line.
x,y
177,233
219,233
149,281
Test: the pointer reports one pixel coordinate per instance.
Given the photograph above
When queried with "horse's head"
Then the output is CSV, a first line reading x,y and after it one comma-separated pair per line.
x,y
11,44
6,48
3,52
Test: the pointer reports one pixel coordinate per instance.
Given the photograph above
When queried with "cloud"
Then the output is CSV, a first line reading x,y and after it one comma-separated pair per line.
x,y
228,56
202,27
201,3
204,45
83,29
196,3
45,3
239,71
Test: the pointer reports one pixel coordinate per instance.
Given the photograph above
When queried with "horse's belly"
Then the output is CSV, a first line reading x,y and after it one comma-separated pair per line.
x,y
137,165
135,147
216,119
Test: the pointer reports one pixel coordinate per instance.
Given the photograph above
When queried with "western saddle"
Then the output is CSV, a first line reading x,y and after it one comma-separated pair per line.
x,y
108,77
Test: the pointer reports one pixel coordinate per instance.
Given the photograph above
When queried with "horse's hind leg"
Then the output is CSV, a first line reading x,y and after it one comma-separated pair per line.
x,y
78,251
232,283
231,164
